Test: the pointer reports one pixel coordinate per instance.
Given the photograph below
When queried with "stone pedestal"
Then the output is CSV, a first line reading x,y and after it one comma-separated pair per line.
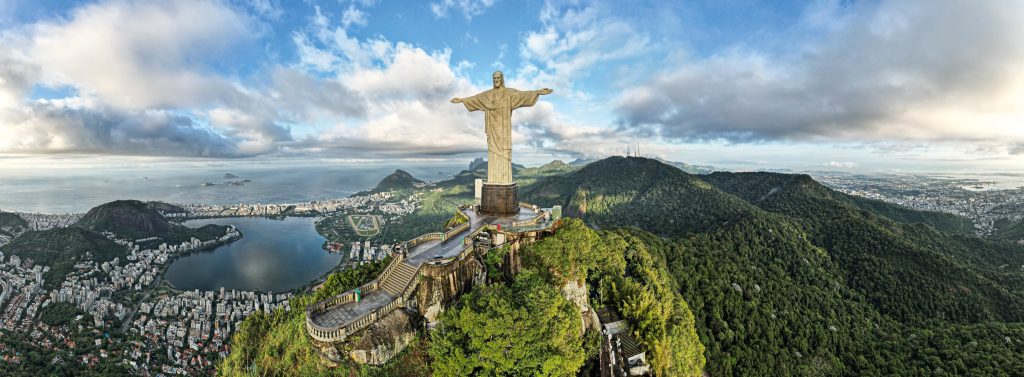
x,y
499,199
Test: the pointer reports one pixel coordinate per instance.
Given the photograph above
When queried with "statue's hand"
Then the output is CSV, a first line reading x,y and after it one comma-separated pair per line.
x,y
456,100
546,91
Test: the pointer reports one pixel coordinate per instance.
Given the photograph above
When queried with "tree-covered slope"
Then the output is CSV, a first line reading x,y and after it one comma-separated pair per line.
x,y
134,219
770,302
1009,230
130,218
61,248
687,168
801,194
12,220
806,280
640,192
12,225
778,275
399,180
276,344
909,271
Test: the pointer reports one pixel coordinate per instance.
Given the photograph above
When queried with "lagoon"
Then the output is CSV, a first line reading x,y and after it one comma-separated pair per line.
x,y
273,255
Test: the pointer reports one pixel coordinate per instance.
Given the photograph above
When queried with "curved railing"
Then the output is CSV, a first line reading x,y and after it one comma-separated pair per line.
x,y
333,334
456,230
421,239
327,334
330,334
531,227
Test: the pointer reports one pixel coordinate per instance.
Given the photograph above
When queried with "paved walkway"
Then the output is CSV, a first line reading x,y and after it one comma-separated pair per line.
x,y
345,314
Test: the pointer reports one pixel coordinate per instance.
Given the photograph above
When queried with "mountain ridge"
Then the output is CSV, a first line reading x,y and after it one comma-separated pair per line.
x,y
399,180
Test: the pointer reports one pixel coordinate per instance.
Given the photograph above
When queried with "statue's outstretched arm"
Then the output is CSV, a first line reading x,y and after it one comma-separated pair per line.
x,y
472,103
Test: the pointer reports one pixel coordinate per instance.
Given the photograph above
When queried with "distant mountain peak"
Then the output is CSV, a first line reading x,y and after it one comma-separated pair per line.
x,y
398,180
556,165
132,218
477,162
581,161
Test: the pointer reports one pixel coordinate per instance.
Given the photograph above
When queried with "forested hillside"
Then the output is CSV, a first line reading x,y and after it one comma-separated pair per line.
x,y
775,191
11,225
134,219
799,279
735,274
399,180
639,192
1009,230
61,248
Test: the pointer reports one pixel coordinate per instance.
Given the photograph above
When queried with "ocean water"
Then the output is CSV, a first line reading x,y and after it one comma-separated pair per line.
x,y
985,182
76,190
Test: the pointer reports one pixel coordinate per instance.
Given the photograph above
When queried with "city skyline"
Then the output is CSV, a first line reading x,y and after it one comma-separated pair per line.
x,y
829,85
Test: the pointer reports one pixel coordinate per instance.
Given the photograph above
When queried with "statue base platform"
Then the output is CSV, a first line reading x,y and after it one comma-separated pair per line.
x,y
499,199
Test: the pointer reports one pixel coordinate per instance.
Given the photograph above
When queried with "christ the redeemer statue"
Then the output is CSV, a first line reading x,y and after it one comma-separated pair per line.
x,y
498,104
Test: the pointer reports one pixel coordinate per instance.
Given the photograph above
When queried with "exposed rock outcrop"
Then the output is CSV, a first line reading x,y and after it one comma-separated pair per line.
x,y
384,339
577,294
442,284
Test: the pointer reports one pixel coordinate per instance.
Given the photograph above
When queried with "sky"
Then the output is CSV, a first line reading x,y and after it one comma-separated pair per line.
x,y
805,85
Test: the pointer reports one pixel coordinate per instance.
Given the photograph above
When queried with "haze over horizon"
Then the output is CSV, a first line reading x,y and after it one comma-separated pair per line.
x,y
826,85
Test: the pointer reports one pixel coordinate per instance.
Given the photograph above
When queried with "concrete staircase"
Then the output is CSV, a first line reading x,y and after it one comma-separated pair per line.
x,y
400,278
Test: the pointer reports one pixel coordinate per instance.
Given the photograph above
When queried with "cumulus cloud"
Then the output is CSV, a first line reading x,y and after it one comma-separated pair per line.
x,y
141,54
132,65
74,125
267,8
573,41
468,8
17,75
160,76
895,70
155,61
406,88
153,84
353,16
302,97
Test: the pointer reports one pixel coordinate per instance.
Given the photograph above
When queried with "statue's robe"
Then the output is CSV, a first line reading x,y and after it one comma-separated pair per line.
x,y
498,104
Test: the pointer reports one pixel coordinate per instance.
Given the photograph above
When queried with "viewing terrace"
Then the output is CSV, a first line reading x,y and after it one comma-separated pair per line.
x,y
332,320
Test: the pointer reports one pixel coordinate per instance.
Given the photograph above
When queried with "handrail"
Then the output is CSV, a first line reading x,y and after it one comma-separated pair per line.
x,y
349,296
421,239
408,286
327,334
456,230
530,228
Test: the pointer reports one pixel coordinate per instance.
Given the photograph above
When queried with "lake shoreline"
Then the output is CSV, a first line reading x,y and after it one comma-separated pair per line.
x,y
275,255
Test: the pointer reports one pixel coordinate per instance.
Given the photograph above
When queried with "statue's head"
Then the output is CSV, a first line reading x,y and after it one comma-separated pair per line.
x,y
499,79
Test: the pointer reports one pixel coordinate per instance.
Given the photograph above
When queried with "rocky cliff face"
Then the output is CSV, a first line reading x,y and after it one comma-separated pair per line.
x,y
441,285
577,294
384,339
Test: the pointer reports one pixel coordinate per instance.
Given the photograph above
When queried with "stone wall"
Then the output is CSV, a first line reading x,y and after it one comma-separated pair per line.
x,y
437,287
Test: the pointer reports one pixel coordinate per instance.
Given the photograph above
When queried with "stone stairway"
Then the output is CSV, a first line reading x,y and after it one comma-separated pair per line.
x,y
399,278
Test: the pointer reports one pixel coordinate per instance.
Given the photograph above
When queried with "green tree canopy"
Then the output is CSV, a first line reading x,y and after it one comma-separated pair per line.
x,y
573,252
526,329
